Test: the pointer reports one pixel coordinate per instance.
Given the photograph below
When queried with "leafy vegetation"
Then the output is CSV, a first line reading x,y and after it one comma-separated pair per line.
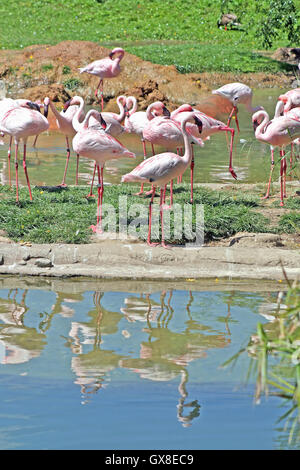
x,y
275,358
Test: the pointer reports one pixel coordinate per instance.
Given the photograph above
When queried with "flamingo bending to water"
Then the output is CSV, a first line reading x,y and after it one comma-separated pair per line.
x,y
163,168
96,144
21,123
237,93
210,126
109,67
279,133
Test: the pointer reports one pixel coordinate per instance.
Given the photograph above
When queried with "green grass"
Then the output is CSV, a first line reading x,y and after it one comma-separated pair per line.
x,y
71,214
203,46
204,57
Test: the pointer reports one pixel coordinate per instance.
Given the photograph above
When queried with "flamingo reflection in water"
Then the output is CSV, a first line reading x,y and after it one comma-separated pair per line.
x,y
166,354
91,367
18,343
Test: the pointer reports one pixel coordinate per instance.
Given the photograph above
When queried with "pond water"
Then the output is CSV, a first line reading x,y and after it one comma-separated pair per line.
x,y
251,159
97,365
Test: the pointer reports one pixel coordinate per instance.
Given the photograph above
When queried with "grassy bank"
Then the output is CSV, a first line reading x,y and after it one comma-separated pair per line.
x,y
66,215
202,44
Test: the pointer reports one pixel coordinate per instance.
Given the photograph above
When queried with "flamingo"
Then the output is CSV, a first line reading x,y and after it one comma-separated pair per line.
x,y
288,101
20,123
163,168
112,121
289,106
236,93
64,124
279,132
95,143
109,67
5,105
166,132
210,126
135,121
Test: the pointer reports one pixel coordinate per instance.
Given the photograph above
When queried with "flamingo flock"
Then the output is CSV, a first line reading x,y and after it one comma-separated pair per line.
x,y
94,135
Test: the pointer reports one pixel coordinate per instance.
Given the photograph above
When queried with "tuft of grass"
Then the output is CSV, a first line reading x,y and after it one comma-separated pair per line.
x,y
46,67
72,84
290,223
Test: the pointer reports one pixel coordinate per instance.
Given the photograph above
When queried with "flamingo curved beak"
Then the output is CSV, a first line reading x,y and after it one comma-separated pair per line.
x,y
66,105
34,106
166,112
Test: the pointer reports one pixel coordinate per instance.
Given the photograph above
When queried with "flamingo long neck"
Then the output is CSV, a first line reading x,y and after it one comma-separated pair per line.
x,y
187,157
119,57
132,101
54,110
85,124
279,109
121,100
76,119
259,133
149,112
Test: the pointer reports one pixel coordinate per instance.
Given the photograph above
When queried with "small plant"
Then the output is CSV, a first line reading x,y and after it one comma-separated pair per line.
x,y
72,84
66,70
46,67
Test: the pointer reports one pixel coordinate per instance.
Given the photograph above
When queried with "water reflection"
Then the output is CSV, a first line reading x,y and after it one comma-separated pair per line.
x,y
100,337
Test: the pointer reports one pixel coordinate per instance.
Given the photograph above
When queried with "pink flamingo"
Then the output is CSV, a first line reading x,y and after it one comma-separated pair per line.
x,y
279,133
210,126
5,105
288,101
163,168
166,132
287,105
64,124
135,121
112,122
20,123
109,67
236,93
96,144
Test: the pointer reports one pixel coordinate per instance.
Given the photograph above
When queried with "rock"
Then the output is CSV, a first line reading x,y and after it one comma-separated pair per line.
x,y
43,263
1,260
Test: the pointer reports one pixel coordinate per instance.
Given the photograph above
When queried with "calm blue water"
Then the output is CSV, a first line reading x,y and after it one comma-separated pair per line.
x,y
92,369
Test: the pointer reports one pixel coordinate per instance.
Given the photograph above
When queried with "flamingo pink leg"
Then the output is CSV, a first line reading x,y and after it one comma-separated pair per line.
x,y
284,165
192,176
150,221
98,228
92,184
270,177
63,183
161,208
8,161
291,156
77,168
16,168
282,177
25,171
